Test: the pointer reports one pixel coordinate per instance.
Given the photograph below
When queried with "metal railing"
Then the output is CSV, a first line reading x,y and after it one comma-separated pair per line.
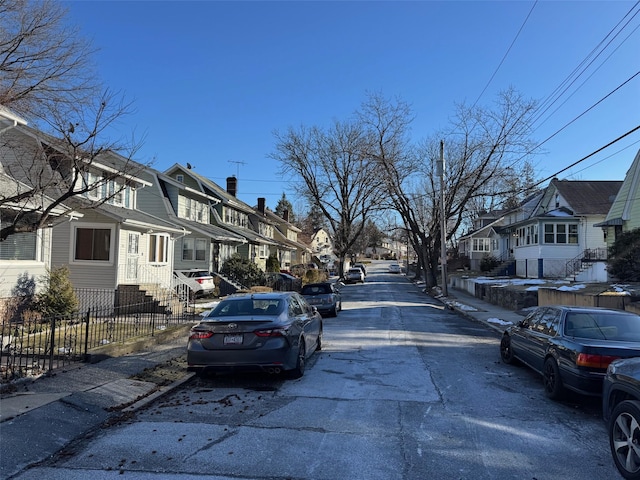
x,y
35,345
587,257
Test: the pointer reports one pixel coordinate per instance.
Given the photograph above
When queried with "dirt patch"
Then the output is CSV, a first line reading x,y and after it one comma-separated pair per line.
x,y
164,373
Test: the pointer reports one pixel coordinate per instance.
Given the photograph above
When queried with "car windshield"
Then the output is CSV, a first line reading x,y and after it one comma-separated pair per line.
x,y
603,326
314,289
247,306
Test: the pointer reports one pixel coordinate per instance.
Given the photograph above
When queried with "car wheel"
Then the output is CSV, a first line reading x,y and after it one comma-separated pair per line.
x,y
551,377
298,370
334,311
319,342
506,353
624,438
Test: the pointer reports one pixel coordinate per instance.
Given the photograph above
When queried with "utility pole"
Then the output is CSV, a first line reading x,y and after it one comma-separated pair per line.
x,y
443,224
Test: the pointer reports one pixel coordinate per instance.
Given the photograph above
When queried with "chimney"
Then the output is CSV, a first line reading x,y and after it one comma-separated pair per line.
x,y
232,186
261,202
285,215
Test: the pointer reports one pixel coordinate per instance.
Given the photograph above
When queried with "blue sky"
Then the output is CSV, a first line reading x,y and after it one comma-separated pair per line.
x,y
211,81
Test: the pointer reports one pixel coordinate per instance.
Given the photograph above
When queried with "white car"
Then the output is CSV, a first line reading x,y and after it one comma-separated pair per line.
x,y
354,275
199,281
395,268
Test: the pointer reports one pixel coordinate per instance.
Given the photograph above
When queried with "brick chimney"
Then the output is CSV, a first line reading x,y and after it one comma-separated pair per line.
x,y
261,205
232,186
285,215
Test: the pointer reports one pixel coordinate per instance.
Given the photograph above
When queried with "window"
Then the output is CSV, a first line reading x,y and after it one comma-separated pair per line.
x,y
19,246
201,249
93,244
187,248
263,251
561,233
180,178
158,248
481,244
134,243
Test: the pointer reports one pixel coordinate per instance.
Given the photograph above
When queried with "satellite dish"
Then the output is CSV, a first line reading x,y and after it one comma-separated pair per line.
x,y
188,165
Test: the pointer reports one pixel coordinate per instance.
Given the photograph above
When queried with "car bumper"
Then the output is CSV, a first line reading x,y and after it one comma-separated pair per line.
x,y
583,382
268,357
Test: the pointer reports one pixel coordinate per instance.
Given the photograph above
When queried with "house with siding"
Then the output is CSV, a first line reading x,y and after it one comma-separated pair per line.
x,y
291,251
108,243
487,237
180,199
232,215
558,238
624,214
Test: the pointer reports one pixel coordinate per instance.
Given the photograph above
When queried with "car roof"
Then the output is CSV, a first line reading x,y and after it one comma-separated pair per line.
x,y
259,295
576,308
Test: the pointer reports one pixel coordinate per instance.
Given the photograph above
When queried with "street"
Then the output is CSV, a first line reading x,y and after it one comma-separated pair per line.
x,y
402,389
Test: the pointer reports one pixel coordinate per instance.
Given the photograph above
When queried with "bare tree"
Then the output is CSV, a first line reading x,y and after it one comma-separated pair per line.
x,y
44,62
46,76
54,175
483,146
336,174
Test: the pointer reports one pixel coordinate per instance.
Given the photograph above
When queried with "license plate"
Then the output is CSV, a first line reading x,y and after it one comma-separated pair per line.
x,y
232,339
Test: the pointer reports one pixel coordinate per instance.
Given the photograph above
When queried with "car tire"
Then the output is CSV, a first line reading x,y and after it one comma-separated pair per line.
x,y
319,342
333,312
298,370
551,377
506,353
624,435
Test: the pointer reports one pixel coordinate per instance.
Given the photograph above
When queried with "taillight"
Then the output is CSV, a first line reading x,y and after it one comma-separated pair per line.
x,y
200,280
594,361
200,334
271,332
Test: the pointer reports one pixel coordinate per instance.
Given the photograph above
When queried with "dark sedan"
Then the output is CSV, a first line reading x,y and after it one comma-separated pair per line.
x,y
572,346
621,412
273,332
325,296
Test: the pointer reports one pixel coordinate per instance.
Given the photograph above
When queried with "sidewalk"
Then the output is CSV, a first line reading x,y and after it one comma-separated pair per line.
x,y
44,415
493,316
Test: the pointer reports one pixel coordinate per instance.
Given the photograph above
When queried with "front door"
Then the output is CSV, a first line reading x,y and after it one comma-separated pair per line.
x,y
133,255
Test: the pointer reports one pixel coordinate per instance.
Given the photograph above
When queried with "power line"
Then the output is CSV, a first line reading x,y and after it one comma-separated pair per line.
x,y
505,55
584,158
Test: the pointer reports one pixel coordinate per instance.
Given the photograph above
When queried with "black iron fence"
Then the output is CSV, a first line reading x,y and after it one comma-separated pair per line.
x,y
33,345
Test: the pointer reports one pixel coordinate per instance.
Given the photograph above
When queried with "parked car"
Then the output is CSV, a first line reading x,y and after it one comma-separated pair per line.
x,y
354,275
621,412
272,332
361,267
325,296
572,346
395,268
199,281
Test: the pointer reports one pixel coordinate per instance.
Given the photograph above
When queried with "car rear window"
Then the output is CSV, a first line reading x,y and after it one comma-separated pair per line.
x,y
603,326
248,306
314,290
202,273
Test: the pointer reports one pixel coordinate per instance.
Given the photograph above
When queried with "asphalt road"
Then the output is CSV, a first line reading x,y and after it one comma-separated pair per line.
x,y
403,389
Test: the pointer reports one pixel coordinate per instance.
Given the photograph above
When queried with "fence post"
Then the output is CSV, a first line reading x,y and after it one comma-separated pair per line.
x,y
52,343
86,337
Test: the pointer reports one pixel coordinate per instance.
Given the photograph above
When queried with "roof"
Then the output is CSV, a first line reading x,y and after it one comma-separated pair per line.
x,y
588,197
